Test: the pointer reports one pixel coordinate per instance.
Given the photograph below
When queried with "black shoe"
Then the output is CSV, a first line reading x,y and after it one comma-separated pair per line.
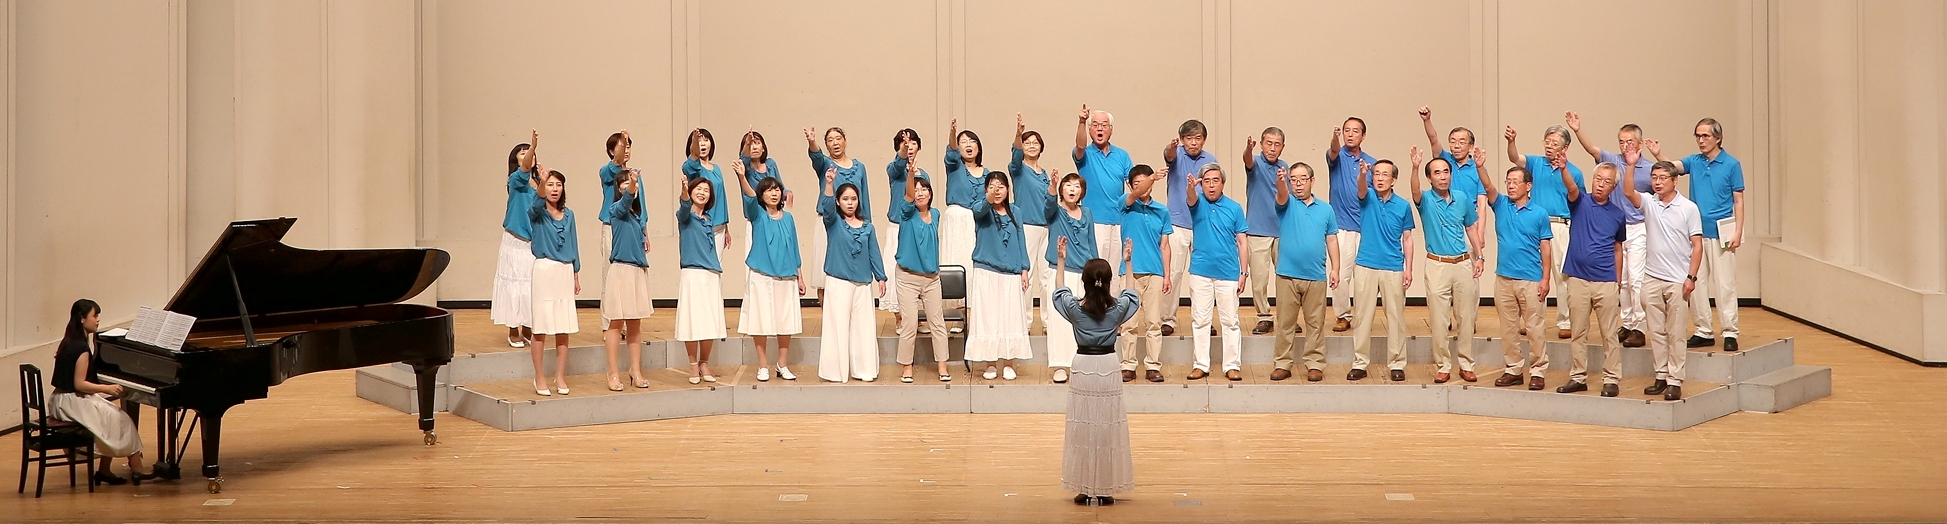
x,y
1105,500
1081,500
1356,374
104,477
139,477
1399,375
1169,329
1263,326
1657,388
1622,335
1700,342
1572,387
1674,393
1609,390
1730,344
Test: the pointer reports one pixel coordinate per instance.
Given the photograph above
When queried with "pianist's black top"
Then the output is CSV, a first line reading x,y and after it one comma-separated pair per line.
x,y
64,362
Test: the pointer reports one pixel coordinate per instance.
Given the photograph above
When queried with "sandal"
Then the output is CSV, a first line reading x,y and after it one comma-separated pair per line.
x,y
614,383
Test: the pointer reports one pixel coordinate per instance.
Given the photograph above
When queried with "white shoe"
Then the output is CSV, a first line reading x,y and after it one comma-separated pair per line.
x,y
542,392
521,343
561,390
785,373
1008,373
989,374
763,374
709,378
1061,375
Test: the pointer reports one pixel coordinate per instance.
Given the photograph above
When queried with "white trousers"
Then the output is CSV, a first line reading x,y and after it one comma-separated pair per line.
x,y
1716,278
1108,246
1061,333
849,347
1221,295
1634,254
888,250
1558,286
1348,259
1037,246
1180,241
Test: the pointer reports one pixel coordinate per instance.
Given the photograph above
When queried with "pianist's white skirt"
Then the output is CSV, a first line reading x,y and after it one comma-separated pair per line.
x,y
699,305
770,306
554,298
513,283
625,292
115,434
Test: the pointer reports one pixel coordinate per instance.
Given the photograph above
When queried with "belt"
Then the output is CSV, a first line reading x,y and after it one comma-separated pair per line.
x,y
1558,220
1095,350
1450,260
902,269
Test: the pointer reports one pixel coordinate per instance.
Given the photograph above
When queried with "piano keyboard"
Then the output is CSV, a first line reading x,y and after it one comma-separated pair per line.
x,y
139,393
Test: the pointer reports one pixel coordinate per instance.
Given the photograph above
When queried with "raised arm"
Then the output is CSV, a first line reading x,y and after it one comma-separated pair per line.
x,y
1568,182
953,160
1628,189
1417,158
1250,142
1426,121
1487,179
738,168
1656,151
1575,126
1514,155
1364,180
1020,127
1169,152
1332,151
533,145
1190,193
912,180
1081,133
1284,187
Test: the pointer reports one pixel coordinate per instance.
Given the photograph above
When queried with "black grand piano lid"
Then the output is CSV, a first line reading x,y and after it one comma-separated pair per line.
x,y
278,278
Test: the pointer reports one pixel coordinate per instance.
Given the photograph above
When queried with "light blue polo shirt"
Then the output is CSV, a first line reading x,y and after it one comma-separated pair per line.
x,y
1447,220
1181,166
1218,224
1302,229
1711,183
1344,169
1466,177
1549,193
1519,230
1382,221
1144,224
1104,171
1261,196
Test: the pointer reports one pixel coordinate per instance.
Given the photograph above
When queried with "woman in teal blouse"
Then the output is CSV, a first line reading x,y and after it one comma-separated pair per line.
x,y
772,284
918,273
557,278
854,273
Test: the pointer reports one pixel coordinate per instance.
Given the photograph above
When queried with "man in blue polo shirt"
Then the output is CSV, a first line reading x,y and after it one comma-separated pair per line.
x,y
1717,186
1551,194
1105,167
1308,264
1260,189
1184,157
1342,160
1385,267
1146,229
1595,250
1464,155
1635,178
1217,269
1454,265
1521,270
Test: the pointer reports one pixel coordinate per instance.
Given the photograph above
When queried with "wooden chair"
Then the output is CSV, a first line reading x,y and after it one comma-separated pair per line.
x,y
49,442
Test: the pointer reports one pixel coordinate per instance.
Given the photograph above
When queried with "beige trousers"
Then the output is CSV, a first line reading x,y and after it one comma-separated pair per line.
x,y
1264,265
1306,297
1520,309
1145,330
918,292
1367,285
1604,300
1665,308
1451,288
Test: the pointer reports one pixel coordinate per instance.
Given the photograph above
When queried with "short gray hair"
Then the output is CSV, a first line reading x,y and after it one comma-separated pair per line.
x,y
1613,169
1213,167
1716,129
1104,113
1567,139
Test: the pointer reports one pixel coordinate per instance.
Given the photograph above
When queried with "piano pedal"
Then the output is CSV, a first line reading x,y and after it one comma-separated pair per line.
x,y
431,438
216,485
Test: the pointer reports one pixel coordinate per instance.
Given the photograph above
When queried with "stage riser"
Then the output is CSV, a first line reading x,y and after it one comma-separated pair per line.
x,y
1785,389
1640,413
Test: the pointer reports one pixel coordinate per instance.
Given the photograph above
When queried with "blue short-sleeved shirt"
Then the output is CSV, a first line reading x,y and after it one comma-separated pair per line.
x,y
1302,229
1030,187
773,241
626,226
1261,196
1447,220
1144,224
520,195
1466,177
1344,170
919,238
1712,182
1381,222
1549,193
1639,173
1593,232
1181,165
1519,231
1217,225
1105,172
696,240
719,214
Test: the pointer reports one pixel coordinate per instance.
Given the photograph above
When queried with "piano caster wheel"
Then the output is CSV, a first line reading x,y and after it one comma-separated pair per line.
x,y
431,438
216,485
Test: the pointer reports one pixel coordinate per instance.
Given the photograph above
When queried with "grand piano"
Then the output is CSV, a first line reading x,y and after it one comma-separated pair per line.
x,y
266,312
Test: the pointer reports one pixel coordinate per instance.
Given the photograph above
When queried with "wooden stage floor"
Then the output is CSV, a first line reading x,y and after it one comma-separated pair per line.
x,y
1876,450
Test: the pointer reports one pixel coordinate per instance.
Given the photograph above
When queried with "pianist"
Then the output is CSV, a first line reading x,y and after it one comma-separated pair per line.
x,y
78,398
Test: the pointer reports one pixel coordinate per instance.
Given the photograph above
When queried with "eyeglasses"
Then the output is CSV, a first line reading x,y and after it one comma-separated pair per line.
x,y
1662,177
1703,135
1099,124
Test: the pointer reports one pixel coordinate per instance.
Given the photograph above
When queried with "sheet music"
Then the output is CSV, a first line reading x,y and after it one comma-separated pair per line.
x,y
147,326
117,332
1724,226
175,330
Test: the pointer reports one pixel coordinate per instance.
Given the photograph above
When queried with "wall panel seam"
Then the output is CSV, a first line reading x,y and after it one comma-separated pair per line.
x,y
7,203
175,263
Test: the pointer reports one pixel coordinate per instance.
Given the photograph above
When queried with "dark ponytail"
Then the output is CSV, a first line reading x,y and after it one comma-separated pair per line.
x,y
76,333
1095,288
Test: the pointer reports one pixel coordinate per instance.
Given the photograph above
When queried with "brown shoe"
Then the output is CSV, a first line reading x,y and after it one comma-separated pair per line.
x,y
1299,329
1441,378
1198,374
1399,375
1169,330
1536,383
1234,375
1342,325
1635,339
1508,379
1524,332
1469,376
1356,374
1314,375
1153,375
1128,375
1263,326
1280,374
1563,334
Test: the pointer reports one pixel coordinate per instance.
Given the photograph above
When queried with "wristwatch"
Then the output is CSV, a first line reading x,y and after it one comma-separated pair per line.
x,y
1693,278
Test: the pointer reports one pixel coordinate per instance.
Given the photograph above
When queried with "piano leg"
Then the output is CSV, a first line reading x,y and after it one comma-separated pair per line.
x,y
212,440
426,375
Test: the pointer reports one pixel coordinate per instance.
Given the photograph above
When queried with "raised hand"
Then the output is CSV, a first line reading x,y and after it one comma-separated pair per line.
x,y
1478,154
810,134
1128,251
1284,175
1061,250
1020,126
953,131
1655,147
1249,143
1417,156
1574,121
1509,134
1426,113
1084,114
737,167
831,177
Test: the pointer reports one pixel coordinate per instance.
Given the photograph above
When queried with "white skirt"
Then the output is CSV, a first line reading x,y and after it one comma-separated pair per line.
x,y
996,328
849,344
888,251
554,298
1095,455
770,306
115,434
625,292
957,237
699,305
513,283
